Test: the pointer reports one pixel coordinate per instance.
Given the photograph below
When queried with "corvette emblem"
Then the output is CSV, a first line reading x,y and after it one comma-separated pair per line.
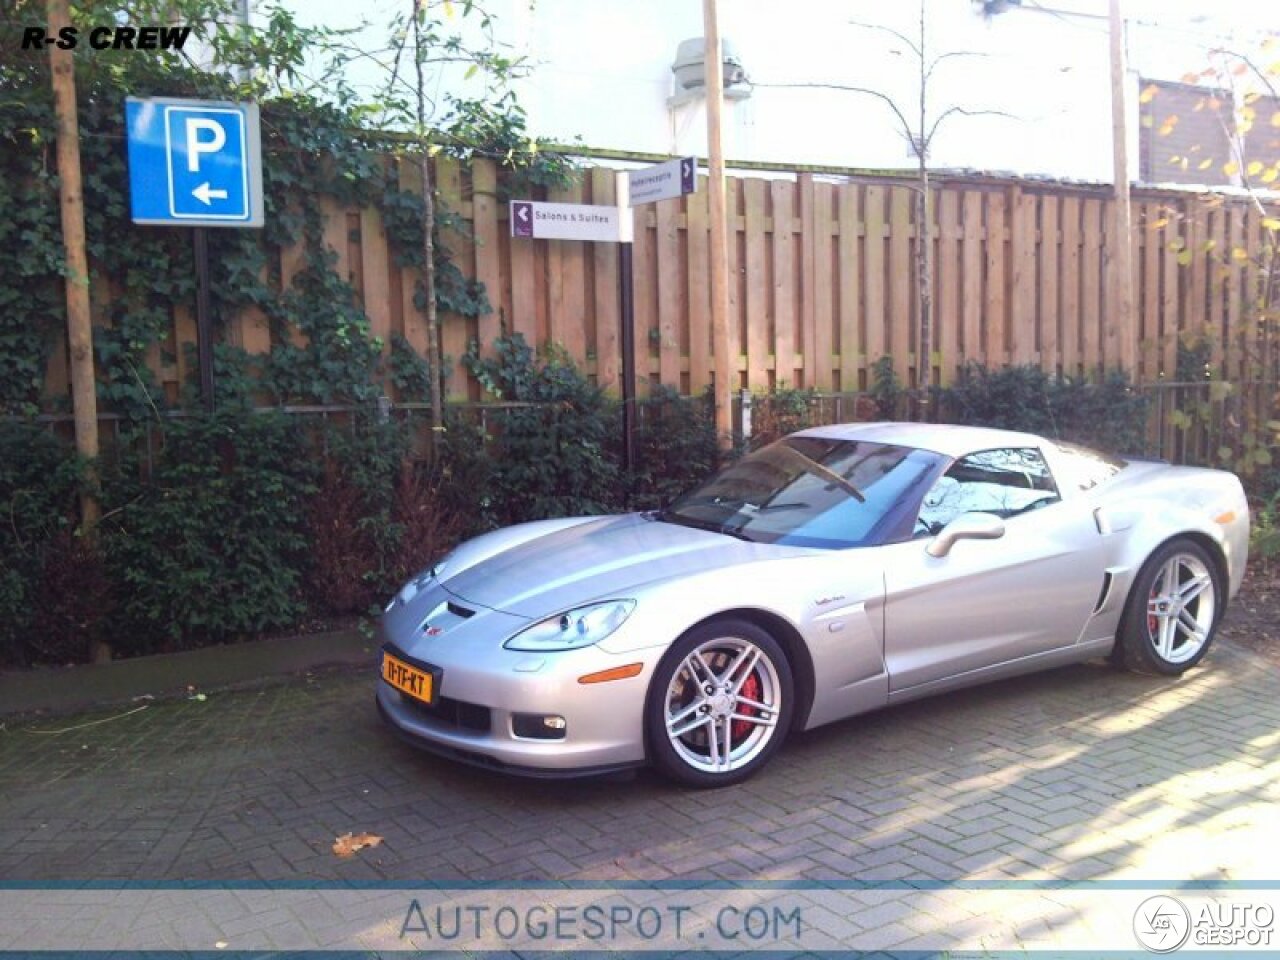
x,y
431,631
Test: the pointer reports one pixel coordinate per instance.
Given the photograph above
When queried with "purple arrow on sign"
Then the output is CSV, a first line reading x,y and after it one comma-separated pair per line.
x,y
688,175
521,218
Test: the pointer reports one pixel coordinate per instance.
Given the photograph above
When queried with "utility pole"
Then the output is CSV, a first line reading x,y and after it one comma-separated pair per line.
x,y
1122,332
724,365
84,399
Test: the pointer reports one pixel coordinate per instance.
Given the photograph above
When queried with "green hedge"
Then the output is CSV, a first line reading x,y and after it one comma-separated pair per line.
x,y
244,523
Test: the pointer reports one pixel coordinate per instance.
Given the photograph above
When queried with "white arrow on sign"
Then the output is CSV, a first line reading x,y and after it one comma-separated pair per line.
x,y
206,195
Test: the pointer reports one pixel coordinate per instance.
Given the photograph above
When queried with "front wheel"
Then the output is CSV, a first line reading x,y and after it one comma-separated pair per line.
x,y
1172,611
721,702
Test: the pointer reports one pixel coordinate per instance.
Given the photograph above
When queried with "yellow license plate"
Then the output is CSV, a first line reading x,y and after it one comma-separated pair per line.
x,y
408,679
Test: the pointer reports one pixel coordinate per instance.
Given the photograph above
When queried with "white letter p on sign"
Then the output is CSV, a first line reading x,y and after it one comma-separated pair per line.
x,y
197,146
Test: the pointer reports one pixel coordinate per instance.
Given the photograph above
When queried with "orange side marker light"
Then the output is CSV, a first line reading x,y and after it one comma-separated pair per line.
x,y
613,673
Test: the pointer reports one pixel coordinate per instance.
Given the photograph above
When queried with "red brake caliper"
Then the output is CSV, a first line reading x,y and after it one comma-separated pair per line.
x,y
750,690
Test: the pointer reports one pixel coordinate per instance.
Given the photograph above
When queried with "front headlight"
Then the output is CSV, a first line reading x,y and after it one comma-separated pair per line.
x,y
573,629
419,583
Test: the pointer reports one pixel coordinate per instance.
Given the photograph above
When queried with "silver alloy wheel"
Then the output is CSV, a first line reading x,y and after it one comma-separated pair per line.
x,y
722,705
1180,608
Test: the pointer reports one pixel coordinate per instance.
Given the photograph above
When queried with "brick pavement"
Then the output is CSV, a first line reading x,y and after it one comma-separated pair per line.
x,y
1080,773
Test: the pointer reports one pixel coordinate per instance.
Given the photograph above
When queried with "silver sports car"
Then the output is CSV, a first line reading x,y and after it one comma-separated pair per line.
x,y
833,572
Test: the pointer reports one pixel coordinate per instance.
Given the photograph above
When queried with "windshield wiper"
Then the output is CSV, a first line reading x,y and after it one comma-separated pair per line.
x,y
825,472
681,520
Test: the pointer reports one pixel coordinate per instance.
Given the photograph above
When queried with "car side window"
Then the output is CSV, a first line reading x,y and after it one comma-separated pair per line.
x,y
1004,482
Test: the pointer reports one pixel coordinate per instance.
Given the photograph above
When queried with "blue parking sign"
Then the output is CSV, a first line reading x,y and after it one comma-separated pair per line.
x,y
194,162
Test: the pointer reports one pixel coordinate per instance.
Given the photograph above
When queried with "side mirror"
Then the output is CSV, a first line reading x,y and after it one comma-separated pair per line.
x,y
967,526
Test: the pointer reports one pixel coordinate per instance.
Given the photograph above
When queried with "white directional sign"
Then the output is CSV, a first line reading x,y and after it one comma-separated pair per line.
x,y
194,162
663,181
566,221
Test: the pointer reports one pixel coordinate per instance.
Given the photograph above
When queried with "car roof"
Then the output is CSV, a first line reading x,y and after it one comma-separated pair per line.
x,y
950,440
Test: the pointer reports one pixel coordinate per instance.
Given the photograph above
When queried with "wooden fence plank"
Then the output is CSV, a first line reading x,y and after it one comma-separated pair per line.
x,y
782,195
946,304
736,317
851,360
1171,282
1194,319
1233,275
604,258
644,266
995,301
453,327
1025,322
972,268
671,313
376,273
485,228
759,349
1147,244
698,266
824,320
874,231
1070,286
1047,282
808,302
1255,339
1092,276
901,282
1215,320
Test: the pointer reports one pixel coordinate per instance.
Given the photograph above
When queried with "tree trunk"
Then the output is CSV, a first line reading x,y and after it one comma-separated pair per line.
x,y
434,387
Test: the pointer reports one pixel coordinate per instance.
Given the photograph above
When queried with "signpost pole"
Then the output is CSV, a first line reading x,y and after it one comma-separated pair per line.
x,y
204,320
626,312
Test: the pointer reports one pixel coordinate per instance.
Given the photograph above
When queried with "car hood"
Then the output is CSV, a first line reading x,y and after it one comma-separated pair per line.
x,y
601,559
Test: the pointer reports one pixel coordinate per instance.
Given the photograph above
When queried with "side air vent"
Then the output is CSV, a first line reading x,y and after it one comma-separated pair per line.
x,y
1104,592
458,611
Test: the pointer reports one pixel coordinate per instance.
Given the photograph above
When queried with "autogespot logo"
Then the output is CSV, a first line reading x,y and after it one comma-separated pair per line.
x,y
1162,924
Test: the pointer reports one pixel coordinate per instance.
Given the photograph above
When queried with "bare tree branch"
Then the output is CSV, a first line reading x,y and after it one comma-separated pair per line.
x,y
893,33
928,73
964,112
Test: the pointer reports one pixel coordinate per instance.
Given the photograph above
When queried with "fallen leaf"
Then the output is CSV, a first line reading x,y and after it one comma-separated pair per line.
x,y
347,844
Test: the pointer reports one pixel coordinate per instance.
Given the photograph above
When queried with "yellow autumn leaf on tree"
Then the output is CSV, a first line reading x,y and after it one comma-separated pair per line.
x,y
1231,168
1255,168
1205,164
1271,223
1148,93
1270,175
1275,119
1162,222
1239,253
1184,258
1166,128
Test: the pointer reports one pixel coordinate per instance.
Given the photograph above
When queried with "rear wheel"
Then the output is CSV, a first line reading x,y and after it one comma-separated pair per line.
x,y
720,704
1172,611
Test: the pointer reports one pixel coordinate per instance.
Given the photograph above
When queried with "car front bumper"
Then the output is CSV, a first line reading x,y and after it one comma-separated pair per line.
x,y
480,695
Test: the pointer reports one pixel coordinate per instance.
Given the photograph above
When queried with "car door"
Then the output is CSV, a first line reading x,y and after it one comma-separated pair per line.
x,y
990,601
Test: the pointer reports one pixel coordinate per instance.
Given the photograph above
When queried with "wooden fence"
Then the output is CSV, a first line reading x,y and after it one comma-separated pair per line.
x,y
821,282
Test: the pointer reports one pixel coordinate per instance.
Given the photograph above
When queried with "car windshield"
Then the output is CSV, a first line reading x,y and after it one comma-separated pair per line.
x,y
814,492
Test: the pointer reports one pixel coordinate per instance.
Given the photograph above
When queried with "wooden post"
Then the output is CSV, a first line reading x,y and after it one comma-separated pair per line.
x,y
84,399
724,364
1121,340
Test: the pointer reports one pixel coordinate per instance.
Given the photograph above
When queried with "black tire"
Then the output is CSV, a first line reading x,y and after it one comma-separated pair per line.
x,y
1139,645
753,737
